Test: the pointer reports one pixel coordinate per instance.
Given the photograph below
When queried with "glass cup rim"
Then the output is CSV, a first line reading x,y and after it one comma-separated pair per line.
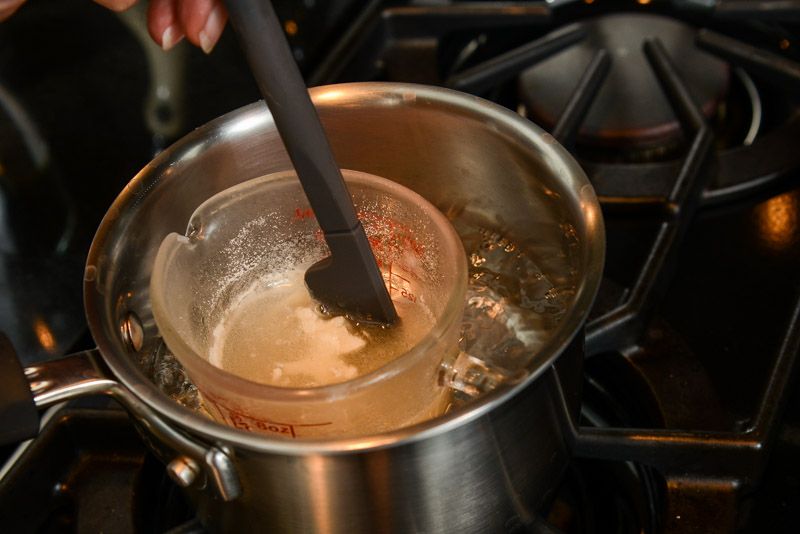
x,y
452,310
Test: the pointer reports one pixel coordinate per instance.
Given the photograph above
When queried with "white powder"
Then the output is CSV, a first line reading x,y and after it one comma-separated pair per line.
x,y
273,334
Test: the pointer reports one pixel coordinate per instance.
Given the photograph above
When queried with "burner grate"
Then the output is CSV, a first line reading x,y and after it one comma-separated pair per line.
x,y
715,165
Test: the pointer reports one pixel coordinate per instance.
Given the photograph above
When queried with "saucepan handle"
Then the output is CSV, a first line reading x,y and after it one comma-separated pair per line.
x,y
19,418
24,391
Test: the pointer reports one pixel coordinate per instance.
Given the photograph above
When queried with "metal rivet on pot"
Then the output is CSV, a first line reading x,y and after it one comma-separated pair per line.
x,y
132,332
183,470
90,273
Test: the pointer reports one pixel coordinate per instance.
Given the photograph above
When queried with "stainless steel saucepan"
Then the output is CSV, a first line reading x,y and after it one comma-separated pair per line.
x,y
484,467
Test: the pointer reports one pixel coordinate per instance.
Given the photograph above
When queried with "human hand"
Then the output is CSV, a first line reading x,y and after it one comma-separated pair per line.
x,y
200,21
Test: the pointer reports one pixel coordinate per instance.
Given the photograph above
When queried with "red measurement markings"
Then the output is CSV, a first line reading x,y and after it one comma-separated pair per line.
x,y
236,417
412,244
389,244
301,214
377,249
392,234
401,285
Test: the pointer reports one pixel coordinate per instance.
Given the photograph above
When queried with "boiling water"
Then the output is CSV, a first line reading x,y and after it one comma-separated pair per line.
x,y
516,296
512,305
276,335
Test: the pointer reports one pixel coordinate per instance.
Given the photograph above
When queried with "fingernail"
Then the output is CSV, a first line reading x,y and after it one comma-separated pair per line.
x,y
210,33
170,37
8,8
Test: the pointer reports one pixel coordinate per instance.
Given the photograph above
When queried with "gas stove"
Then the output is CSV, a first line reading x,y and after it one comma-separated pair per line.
x,y
685,117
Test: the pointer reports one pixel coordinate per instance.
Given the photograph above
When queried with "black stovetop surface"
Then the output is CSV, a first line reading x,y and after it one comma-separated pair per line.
x,y
695,331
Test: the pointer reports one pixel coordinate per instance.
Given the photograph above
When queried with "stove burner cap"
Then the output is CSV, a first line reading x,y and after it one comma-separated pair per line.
x,y
630,110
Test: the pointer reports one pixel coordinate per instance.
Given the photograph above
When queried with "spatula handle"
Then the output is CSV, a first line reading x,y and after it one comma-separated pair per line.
x,y
284,90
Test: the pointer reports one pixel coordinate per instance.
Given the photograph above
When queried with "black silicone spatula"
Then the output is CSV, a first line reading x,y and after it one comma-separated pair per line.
x,y
348,281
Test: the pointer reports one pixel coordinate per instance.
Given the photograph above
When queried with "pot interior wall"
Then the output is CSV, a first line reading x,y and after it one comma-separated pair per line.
x,y
468,157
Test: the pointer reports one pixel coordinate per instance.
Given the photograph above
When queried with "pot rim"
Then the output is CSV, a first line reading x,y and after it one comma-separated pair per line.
x,y
505,122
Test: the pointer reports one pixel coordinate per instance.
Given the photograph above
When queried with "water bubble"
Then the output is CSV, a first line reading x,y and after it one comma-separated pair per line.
x,y
476,260
512,305
171,378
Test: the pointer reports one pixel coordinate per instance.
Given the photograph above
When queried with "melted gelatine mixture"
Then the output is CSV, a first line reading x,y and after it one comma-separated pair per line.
x,y
276,335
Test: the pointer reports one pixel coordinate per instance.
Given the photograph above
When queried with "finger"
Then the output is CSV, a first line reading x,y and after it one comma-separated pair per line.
x,y
162,23
9,7
202,21
116,5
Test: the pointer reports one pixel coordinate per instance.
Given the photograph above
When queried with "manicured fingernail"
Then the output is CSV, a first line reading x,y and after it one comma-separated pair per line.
x,y
8,8
170,38
210,33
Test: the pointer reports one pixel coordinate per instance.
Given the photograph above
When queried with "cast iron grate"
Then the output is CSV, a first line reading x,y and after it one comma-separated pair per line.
x,y
406,43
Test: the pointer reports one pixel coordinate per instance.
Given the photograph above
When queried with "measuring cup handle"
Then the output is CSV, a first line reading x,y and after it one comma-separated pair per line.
x,y
19,419
472,376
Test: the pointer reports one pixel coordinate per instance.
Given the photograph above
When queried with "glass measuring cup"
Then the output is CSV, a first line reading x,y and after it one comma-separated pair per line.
x,y
259,230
